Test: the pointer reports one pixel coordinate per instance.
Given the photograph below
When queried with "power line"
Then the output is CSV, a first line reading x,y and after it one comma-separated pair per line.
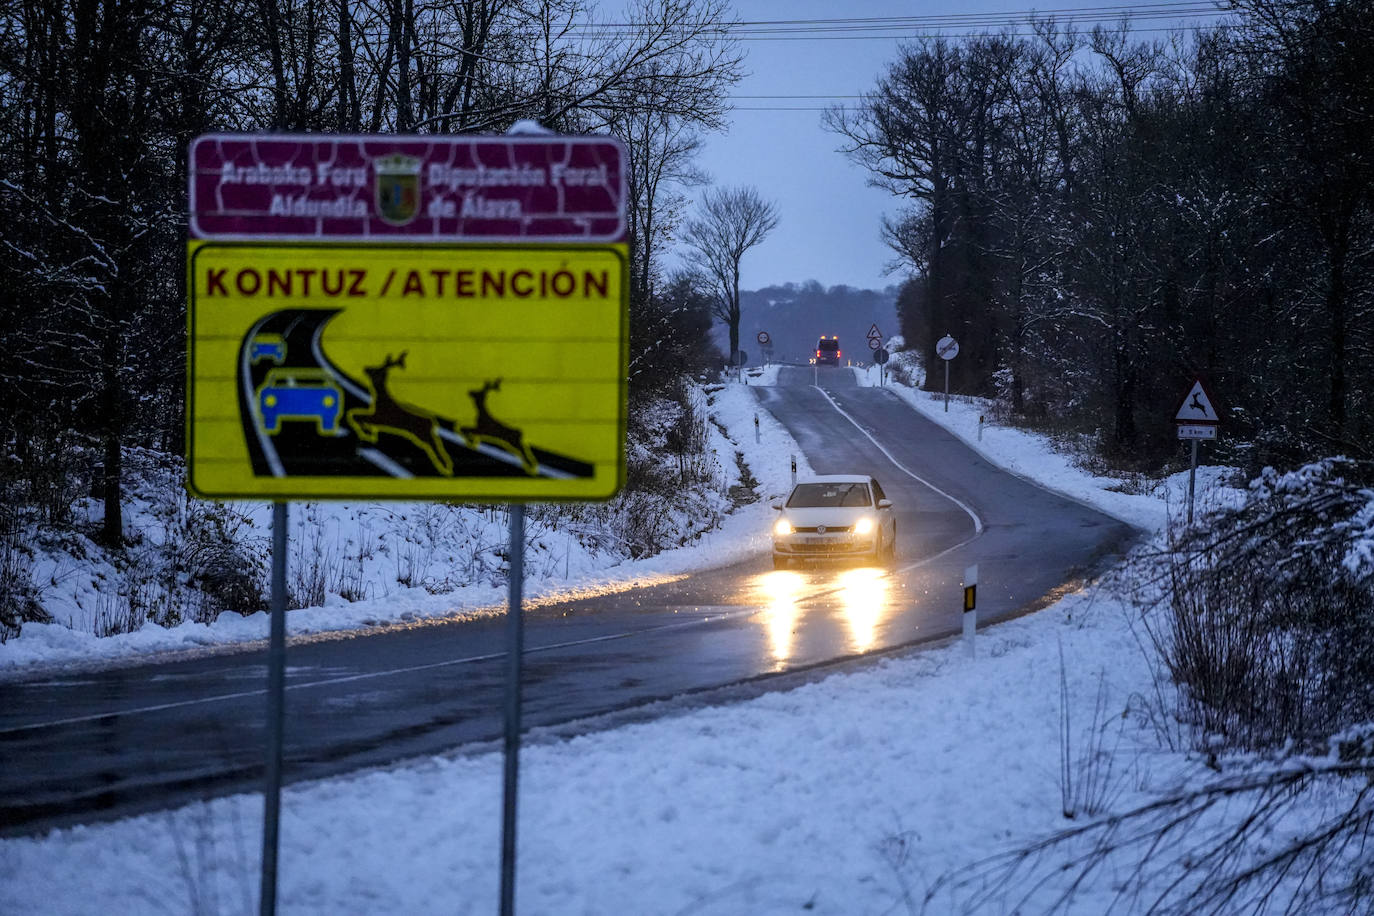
x,y
889,27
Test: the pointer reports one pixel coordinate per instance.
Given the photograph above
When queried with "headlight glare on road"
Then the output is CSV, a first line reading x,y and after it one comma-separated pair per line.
x,y
782,527
863,526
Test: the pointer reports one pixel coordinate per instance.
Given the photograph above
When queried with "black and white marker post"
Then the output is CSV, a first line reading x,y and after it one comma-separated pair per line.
x,y
515,647
970,607
276,715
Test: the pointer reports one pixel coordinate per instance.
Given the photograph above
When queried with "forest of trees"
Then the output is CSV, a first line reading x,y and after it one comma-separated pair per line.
x,y
1098,218
99,100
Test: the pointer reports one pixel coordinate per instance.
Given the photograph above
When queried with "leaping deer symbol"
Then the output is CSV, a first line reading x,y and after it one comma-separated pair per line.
x,y
1197,404
392,416
490,430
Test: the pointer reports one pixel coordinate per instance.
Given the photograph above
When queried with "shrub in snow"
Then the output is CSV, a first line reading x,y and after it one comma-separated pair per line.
x,y
18,594
1269,623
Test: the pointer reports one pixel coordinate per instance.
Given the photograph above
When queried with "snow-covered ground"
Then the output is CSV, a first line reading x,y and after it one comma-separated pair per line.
x,y
852,794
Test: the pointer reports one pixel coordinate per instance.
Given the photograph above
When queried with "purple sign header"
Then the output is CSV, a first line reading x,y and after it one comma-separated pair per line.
x,y
299,187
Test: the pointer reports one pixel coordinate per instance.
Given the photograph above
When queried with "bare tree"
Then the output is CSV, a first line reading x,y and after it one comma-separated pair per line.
x,y
732,221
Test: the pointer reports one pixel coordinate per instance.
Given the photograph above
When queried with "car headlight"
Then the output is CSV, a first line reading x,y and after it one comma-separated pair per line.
x,y
863,526
782,527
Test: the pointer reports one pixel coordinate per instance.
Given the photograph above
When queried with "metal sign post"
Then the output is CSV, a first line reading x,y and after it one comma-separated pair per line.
x,y
947,348
276,715
515,647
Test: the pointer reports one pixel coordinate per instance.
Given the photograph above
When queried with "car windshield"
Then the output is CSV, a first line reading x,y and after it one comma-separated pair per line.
x,y
829,495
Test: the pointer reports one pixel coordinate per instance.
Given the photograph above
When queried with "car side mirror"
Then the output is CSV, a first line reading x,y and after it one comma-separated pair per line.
x,y
884,504
777,506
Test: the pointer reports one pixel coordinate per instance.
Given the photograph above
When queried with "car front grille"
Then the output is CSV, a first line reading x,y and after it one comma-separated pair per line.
x,y
829,529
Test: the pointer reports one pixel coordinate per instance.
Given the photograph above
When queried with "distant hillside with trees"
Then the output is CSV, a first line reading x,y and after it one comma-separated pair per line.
x,y
795,315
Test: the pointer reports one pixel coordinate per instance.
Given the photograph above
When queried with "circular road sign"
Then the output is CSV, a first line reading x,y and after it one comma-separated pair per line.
x,y
874,343
880,356
764,339
947,347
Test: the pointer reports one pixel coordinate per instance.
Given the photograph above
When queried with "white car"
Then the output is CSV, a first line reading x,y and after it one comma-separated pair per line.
x,y
835,516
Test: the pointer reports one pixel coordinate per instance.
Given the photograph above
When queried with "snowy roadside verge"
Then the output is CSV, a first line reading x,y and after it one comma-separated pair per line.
x,y
567,571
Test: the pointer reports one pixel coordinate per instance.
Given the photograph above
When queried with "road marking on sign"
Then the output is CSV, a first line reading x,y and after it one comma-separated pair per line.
x,y
384,462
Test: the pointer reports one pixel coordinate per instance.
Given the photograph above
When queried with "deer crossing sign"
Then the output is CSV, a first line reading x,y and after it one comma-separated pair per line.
x,y
392,371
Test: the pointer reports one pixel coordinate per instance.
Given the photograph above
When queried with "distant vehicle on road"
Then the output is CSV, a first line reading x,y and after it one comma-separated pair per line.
x,y
300,394
837,517
828,351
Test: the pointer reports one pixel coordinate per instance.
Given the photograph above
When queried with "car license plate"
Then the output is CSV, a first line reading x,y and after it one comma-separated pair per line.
x,y
817,541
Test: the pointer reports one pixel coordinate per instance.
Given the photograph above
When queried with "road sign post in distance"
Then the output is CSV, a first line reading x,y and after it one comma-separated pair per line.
x,y
1197,419
946,348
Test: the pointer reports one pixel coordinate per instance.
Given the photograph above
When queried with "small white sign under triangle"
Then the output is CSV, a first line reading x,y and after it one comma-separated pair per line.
x,y
1196,407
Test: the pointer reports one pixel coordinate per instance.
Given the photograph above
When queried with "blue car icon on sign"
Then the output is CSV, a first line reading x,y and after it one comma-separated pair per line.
x,y
300,394
269,347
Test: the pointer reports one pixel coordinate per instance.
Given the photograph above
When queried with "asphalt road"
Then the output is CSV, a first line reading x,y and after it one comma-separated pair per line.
x,y
96,745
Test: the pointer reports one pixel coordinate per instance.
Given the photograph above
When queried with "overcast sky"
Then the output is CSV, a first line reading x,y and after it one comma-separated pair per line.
x,y
830,217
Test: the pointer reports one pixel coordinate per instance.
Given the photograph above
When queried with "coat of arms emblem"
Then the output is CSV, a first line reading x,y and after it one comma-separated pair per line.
x,y
397,188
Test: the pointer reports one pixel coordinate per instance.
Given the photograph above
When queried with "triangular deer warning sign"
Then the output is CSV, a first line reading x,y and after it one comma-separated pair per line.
x,y
1197,406
874,333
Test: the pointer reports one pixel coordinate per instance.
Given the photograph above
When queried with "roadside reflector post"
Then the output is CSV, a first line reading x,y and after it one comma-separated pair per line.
x,y
756,430
794,470
970,607
276,700
515,646
980,427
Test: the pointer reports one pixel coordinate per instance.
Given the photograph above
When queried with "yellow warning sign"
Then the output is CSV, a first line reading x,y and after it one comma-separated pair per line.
x,y
389,372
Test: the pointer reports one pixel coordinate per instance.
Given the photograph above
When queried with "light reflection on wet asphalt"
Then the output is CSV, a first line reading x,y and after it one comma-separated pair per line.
x,y
861,598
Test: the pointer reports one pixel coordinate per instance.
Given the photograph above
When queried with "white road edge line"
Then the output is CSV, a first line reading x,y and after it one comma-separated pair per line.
x,y
977,522
73,720
385,462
